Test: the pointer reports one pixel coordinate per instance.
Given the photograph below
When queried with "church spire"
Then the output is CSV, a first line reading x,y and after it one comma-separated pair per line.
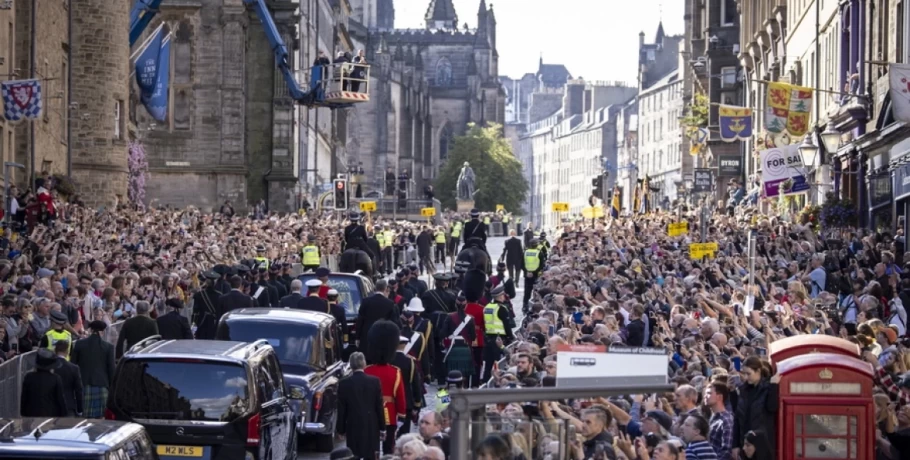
x,y
441,15
660,33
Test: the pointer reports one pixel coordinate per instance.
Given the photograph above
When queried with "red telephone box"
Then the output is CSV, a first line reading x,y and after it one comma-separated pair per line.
x,y
826,409
796,345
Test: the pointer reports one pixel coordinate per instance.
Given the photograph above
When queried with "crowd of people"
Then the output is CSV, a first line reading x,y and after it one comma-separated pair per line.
x,y
617,282
625,282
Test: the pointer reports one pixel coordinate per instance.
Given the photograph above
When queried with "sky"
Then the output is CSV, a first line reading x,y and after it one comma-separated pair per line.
x,y
594,39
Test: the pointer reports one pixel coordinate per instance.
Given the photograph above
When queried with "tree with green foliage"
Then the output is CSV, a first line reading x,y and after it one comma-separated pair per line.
x,y
499,173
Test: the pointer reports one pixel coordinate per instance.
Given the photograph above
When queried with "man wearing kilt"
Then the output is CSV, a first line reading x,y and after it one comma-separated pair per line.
x,y
460,334
95,359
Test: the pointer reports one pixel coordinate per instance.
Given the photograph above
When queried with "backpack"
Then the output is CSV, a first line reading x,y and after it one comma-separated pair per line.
x,y
832,282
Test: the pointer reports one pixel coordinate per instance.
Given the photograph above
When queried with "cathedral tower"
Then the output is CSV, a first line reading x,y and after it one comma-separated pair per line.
x,y
100,91
441,15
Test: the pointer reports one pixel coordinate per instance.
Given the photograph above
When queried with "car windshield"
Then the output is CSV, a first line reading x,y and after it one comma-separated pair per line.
x,y
182,389
292,341
348,288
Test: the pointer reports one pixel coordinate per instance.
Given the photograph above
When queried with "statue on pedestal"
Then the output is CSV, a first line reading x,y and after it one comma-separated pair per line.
x,y
466,183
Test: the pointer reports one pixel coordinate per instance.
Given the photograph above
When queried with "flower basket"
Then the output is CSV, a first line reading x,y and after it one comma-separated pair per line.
x,y
838,213
64,185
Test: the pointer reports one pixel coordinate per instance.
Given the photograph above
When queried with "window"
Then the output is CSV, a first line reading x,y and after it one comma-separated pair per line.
x,y
118,114
182,77
170,390
182,109
727,77
728,12
443,72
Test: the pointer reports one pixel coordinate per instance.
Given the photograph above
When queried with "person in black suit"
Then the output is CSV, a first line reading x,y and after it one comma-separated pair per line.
x,y
71,378
291,300
273,280
136,329
235,299
513,255
360,410
95,359
42,389
375,307
205,307
173,325
221,283
312,301
269,295
340,314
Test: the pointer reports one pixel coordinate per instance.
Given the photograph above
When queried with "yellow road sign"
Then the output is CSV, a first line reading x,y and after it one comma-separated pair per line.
x,y
500,207
560,207
428,212
699,250
592,212
679,228
368,206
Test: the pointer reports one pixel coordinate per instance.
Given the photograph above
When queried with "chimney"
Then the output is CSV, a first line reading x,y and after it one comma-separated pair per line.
x,y
573,101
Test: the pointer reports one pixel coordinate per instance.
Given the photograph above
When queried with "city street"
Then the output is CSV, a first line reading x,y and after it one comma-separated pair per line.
x,y
495,247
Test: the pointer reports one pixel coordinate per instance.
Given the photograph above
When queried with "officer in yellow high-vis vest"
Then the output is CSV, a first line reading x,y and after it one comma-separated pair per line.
x,y
309,255
506,218
440,239
57,333
498,334
260,258
455,236
533,265
388,238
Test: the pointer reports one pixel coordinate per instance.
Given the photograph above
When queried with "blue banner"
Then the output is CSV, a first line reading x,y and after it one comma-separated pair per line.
x,y
153,71
147,66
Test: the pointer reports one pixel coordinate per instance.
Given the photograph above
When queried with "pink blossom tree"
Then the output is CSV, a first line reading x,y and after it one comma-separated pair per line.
x,y
139,172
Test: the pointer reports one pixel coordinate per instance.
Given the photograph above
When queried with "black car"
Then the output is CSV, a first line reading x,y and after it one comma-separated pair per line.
x,y
352,289
309,351
73,438
206,399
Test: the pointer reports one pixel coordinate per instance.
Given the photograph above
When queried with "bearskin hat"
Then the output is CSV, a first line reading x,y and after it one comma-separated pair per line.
x,y
383,339
474,281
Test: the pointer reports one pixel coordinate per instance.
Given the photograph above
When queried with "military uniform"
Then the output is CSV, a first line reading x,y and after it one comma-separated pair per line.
x,y
437,304
413,387
205,308
458,346
394,401
355,236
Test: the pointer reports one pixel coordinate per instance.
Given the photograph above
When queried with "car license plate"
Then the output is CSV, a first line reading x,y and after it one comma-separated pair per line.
x,y
181,451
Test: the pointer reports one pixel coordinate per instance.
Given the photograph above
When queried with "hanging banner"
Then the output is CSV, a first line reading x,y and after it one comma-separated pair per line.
x,y
21,100
153,69
899,79
698,138
735,122
788,109
780,164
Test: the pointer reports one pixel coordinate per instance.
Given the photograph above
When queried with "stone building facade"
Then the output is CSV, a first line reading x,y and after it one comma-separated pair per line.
x,y
8,65
426,86
100,100
52,60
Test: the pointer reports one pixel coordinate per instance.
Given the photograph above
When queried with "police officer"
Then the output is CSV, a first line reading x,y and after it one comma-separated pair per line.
x,y
453,381
205,307
57,333
388,240
355,235
312,302
498,332
260,258
476,229
506,218
455,236
309,255
440,239
533,265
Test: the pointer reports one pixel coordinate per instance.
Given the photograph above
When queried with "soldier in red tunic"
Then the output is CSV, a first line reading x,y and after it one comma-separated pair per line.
x,y
474,284
383,338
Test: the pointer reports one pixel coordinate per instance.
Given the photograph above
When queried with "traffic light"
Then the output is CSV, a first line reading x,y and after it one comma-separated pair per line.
x,y
341,194
597,186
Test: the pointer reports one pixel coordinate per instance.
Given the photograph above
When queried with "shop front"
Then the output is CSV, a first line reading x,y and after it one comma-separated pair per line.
x,y
900,173
880,208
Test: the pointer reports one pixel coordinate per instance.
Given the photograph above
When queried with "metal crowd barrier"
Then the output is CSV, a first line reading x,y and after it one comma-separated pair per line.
x,y
503,363
12,372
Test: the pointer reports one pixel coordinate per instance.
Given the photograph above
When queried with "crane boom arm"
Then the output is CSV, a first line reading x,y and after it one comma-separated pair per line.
x,y
141,16
279,48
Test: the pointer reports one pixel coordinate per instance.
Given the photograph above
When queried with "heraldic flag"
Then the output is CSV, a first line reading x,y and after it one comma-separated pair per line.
x,y
735,122
788,110
21,100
